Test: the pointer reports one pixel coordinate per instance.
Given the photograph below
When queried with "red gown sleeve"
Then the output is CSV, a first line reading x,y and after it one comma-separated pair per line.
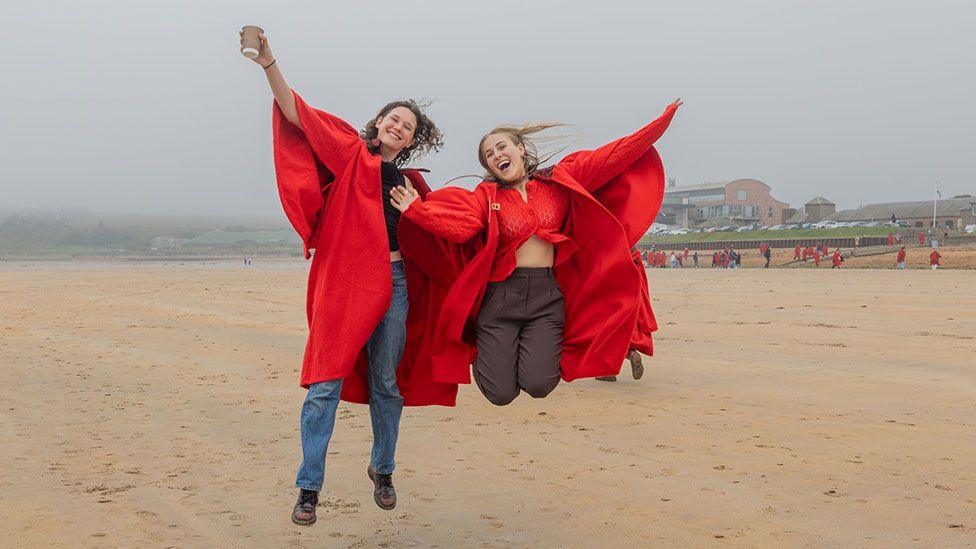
x,y
454,214
333,139
307,162
594,169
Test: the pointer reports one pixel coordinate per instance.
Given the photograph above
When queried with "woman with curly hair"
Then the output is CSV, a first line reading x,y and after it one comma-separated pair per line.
x,y
334,183
547,286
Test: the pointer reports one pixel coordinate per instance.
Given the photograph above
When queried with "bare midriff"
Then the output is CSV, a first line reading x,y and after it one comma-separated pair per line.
x,y
535,252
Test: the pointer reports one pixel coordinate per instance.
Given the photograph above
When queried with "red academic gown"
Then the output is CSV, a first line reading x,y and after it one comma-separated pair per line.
x,y
615,192
330,189
646,323
934,258
796,253
901,256
921,239
836,259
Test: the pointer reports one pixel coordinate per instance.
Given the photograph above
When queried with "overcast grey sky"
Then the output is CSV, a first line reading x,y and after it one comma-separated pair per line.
x,y
149,106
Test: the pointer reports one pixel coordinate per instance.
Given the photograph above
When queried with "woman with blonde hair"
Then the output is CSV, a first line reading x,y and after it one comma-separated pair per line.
x,y
542,282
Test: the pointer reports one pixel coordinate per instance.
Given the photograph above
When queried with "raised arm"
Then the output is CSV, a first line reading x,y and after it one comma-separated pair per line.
x,y
282,92
594,169
452,213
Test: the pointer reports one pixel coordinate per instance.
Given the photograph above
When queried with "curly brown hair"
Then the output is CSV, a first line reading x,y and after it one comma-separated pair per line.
x,y
427,138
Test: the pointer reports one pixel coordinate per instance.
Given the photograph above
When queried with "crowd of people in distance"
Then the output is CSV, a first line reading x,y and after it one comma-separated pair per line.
x,y
729,258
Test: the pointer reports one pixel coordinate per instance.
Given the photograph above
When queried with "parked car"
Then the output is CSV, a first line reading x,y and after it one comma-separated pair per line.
x,y
827,225
970,229
872,224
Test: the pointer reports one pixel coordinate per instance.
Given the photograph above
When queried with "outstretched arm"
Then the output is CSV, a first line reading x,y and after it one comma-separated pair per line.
x,y
282,92
332,139
453,214
594,169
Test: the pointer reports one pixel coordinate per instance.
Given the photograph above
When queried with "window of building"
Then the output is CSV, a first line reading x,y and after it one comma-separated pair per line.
x,y
743,195
919,224
770,214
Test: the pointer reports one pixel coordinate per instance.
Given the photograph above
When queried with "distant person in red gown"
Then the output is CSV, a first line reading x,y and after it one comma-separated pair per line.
x,y
934,259
921,239
836,260
900,261
796,253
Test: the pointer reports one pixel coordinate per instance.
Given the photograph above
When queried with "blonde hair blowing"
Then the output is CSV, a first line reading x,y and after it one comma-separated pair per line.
x,y
524,135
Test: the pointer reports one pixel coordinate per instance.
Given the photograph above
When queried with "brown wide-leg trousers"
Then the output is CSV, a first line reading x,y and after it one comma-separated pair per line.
x,y
520,336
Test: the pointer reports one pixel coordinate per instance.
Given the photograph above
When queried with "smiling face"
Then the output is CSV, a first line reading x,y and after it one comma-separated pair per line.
x,y
503,157
396,129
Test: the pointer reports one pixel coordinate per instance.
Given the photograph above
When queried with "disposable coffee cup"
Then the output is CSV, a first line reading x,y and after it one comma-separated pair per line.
x,y
252,41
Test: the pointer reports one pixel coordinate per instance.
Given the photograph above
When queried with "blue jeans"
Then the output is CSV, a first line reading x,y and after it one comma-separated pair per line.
x,y
383,352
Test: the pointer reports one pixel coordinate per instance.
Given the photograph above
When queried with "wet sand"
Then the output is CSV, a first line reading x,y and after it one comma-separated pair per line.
x,y
152,406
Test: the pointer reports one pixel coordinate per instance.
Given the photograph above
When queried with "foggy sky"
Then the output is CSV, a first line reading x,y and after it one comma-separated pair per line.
x,y
149,106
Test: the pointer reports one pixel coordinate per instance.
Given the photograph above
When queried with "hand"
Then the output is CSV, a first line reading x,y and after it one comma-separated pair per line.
x,y
677,102
265,57
402,196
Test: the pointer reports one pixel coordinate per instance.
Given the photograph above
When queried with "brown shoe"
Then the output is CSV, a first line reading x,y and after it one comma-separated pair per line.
x,y
304,512
383,492
606,378
636,366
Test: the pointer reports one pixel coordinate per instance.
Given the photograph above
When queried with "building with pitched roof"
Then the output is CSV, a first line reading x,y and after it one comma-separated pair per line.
x,y
950,213
740,202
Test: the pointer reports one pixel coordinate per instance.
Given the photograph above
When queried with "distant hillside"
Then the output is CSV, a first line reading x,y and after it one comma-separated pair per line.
x,y
223,237
83,233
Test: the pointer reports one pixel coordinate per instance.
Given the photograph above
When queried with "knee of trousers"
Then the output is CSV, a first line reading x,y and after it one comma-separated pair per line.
x,y
541,390
321,394
501,399
385,386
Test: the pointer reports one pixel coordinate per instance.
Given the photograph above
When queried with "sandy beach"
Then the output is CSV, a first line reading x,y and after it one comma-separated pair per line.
x,y
157,405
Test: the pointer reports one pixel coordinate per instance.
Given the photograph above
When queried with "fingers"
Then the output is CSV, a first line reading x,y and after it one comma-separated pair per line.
x,y
401,196
409,185
400,190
